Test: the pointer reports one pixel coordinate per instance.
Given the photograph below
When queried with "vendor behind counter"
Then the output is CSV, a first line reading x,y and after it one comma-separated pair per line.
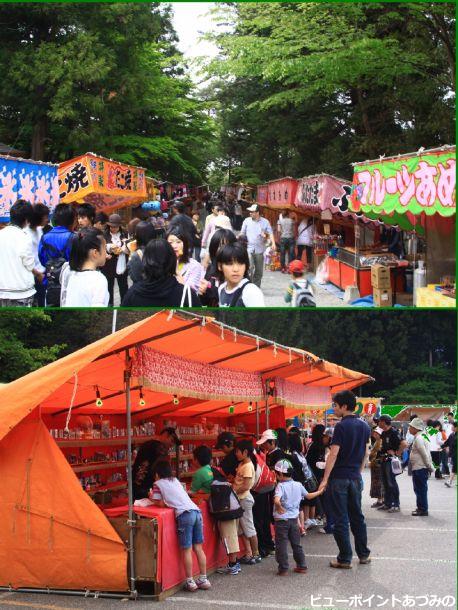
x,y
148,454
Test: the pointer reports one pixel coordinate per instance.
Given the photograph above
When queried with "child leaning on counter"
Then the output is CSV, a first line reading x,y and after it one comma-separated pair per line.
x,y
168,492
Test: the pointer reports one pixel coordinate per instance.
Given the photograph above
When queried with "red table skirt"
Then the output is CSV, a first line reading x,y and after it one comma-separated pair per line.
x,y
170,570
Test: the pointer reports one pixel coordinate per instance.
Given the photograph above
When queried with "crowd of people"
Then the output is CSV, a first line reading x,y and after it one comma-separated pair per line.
x,y
180,258
265,495
428,447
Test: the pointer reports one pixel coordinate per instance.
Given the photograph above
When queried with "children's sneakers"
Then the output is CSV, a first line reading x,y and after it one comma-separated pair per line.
x,y
203,583
191,585
247,561
232,570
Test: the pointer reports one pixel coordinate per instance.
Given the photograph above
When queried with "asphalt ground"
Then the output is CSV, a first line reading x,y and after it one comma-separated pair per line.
x,y
413,566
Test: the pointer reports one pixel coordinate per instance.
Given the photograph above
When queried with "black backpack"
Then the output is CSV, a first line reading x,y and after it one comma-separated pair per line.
x,y
223,503
238,294
53,270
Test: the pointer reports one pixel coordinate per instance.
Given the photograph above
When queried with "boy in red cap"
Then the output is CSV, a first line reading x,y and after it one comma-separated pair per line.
x,y
298,293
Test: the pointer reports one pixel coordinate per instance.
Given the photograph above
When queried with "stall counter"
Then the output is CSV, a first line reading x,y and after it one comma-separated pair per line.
x,y
170,571
428,296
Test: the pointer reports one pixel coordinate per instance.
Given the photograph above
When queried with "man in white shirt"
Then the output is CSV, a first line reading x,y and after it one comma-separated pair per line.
x,y
305,234
259,235
17,262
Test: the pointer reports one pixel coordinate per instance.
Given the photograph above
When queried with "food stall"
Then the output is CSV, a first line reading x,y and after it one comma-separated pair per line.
x,y
421,188
68,432
33,181
104,183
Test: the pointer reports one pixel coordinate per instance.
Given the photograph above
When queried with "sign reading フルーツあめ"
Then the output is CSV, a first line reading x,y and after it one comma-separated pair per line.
x,y
420,183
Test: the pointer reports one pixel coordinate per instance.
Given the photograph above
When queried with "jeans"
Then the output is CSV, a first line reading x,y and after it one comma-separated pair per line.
x,y
345,500
190,528
288,529
256,268
327,508
420,488
286,245
390,485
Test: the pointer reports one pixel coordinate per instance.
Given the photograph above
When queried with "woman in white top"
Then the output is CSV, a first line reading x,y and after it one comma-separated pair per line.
x,y
305,233
40,218
83,285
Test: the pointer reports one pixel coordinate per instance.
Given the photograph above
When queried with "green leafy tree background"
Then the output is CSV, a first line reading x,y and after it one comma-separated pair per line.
x,y
411,354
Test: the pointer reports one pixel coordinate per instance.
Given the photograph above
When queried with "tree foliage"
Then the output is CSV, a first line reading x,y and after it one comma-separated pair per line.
x,y
310,87
411,354
100,77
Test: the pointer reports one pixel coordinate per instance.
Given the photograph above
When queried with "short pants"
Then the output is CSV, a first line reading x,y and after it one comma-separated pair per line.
x,y
229,535
246,524
190,528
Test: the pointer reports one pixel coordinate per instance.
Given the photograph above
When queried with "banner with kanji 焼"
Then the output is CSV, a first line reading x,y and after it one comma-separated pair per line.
x,y
423,182
104,183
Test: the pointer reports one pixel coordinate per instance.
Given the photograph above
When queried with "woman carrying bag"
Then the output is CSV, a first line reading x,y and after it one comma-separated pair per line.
x,y
115,267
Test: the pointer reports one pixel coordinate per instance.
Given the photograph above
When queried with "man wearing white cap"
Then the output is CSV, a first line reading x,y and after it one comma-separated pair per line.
x,y
258,233
422,466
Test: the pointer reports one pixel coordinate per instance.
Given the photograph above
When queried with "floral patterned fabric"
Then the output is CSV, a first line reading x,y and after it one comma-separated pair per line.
x,y
292,394
176,375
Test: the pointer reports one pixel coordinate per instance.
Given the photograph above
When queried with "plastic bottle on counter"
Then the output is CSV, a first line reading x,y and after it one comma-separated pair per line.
x,y
419,279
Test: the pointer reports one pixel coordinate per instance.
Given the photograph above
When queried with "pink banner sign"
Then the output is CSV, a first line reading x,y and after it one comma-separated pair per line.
x,y
292,394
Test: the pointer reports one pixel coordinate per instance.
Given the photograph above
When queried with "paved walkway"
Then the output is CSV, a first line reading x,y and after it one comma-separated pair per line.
x,y
274,285
411,556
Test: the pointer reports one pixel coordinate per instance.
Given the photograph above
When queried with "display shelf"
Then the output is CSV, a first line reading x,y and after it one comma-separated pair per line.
x,y
95,442
108,487
122,440
98,466
189,456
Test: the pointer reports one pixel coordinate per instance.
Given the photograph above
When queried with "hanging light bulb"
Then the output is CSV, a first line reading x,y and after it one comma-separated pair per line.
x,y
142,401
176,400
98,400
250,406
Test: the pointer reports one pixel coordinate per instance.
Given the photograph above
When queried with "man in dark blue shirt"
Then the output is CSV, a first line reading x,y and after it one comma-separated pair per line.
x,y
342,475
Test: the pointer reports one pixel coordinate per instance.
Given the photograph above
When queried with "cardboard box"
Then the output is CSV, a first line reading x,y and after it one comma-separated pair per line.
x,y
380,276
383,297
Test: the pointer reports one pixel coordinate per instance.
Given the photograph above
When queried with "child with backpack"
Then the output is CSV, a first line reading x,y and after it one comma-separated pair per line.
x,y
236,290
242,485
168,491
287,498
299,293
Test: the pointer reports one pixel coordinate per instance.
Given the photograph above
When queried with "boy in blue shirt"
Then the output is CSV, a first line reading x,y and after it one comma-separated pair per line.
x,y
287,498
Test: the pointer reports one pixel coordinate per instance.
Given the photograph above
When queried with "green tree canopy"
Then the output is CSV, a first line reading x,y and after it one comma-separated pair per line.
x,y
105,78
310,87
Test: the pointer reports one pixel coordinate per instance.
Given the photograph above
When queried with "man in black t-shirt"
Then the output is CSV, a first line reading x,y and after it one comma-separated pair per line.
x,y
342,475
391,445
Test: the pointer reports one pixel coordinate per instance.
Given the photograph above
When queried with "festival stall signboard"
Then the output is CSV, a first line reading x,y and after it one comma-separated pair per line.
x,y
419,183
282,192
26,179
262,194
104,183
323,192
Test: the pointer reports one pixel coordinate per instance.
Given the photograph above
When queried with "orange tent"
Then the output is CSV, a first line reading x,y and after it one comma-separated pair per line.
x,y
52,534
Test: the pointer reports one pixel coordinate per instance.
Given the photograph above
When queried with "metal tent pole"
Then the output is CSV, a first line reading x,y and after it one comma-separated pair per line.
x,y
131,521
267,404
257,420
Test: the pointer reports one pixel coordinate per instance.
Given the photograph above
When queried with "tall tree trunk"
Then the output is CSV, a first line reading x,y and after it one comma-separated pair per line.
x,y
38,140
